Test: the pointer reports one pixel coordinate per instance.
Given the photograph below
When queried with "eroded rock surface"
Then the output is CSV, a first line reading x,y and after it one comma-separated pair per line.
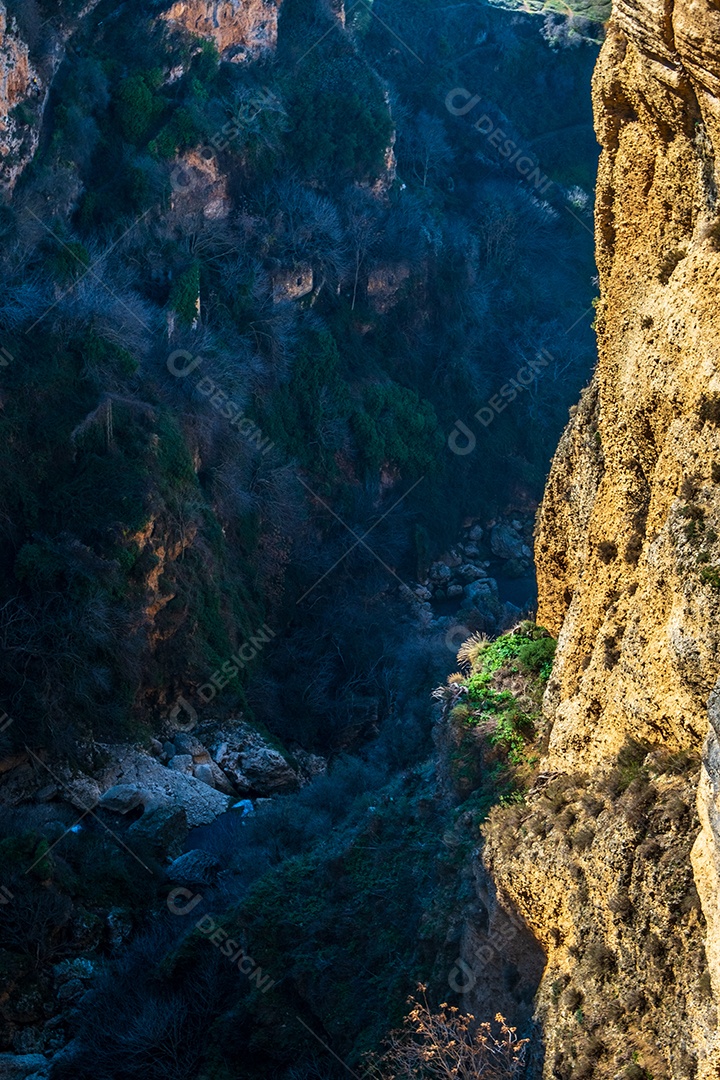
x,y
628,560
20,91
241,29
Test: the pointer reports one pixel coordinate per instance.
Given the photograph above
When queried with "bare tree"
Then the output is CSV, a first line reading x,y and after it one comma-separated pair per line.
x,y
363,228
426,147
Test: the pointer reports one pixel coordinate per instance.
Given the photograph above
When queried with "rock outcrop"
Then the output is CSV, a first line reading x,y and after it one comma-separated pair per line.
x,y
628,559
160,787
20,90
241,29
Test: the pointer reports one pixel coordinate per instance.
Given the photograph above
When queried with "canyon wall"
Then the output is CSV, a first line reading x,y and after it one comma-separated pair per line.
x,y
628,554
20,92
241,29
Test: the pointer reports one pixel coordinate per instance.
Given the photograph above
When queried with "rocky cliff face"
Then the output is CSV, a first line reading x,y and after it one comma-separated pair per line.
x,y
241,29
20,88
628,553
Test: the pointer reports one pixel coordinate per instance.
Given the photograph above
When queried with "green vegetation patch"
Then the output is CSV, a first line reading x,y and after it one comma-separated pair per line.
x,y
503,692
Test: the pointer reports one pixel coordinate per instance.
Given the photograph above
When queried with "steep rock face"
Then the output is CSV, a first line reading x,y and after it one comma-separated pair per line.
x,y
621,564
19,83
628,551
241,29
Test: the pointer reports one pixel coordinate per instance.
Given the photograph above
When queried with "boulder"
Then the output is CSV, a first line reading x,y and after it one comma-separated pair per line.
x,y
440,573
83,792
182,763
220,780
122,798
204,774
195,868
185,743
309,765
422,593
164,789
479,590
454,590
21,1066
476,533
267,769
506,542
251,764
470,572
165,827
70,991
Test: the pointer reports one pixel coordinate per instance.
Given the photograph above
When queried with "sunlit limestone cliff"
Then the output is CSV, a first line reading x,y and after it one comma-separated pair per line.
x,y
622,888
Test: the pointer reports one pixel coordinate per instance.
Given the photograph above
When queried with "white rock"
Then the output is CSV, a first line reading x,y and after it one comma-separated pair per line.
x,y
83,793
121,798
204,774
181,763
163,787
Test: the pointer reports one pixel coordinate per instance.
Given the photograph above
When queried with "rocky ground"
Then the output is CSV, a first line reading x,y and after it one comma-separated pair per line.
x,y
145,799
463,576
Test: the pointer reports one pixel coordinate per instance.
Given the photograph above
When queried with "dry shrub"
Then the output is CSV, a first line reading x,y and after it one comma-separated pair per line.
x,y
448,1044
471,650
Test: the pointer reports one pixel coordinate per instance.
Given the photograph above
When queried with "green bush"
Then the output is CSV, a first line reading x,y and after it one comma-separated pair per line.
x,y
138,106
180,133
184,294
339,123
710,575
537,656
396,428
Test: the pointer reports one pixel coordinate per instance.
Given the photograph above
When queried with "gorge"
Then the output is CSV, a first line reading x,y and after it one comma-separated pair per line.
x,y
296,300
